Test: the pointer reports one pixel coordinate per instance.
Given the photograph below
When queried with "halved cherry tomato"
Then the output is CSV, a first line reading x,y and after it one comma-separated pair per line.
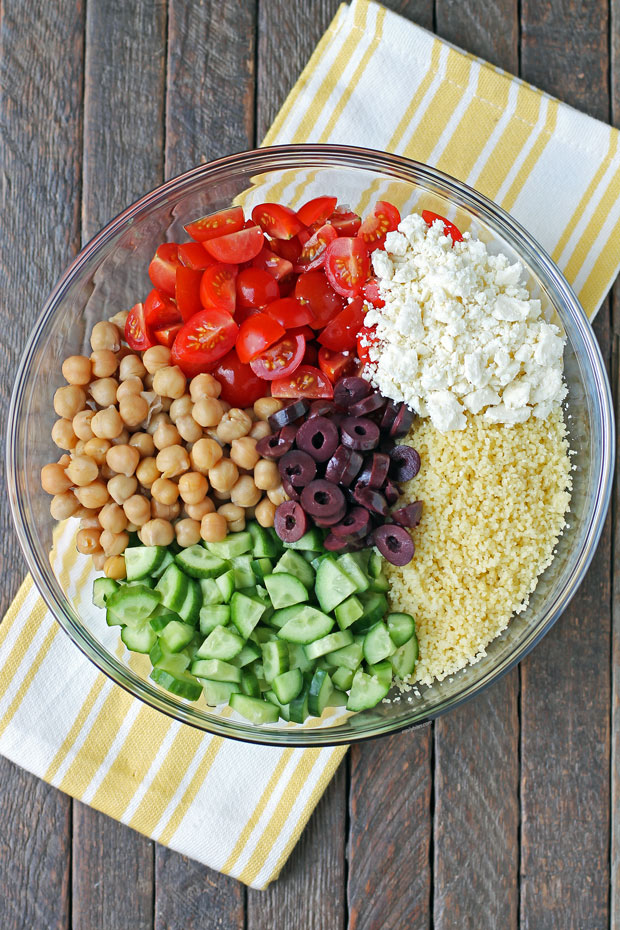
x,y
163,267
306,381
160,311
384,219
347,265
166,337
336,364
289,249
314,251
340,333
345,222
317,210
372,294
255,288
366,338
194,255
281,359
217,288
449,229
237,247
216,224
244,313
188,291
137,335
277,220
256,334
203,341
289,312
313,289
240,386
277,267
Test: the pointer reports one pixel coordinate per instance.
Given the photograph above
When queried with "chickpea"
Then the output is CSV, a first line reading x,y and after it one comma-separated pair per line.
x,y
147,472
197,511
155,358
133,409
187,532
123,459
143,442
98,560
88,541
233,425
181,407
204,455
193,487
232,513
131,367
123,437
137,509
69,400
165,511
207,411
172,461
107,423
113,543
188,429
223,475
97,449
106,472
155,421
79,447
114,567
93,495
64,505
249,411
82,470
121,488
204,386
165,491
103,363
112,518
89,519
157,533
260,429
128,387
119,319
169,381
103,391
265,406
277,495
265,512
54,480
266,475
64,460
243,452
213,527
76,369
64,435
220,495
81,424
166,435
105,336
245,493
148,382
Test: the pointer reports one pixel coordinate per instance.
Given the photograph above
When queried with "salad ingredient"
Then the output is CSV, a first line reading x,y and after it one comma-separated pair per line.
x,y
347,265
306,381
216,224
257,334
203,340
384,219
277,220
237,247
217,288
281,359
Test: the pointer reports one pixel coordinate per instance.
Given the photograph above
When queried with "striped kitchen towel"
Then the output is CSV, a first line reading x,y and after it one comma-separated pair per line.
x,y
378,81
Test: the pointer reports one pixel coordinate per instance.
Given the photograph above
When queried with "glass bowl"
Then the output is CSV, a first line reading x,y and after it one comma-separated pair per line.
x,y
109,274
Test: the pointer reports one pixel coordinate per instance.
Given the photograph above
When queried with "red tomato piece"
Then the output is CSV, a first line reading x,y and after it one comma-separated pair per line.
x,y
366,338
163,267
314,251
340,333
238,247
304,331
255,288
277,220
203,341
137,335
384,219
306,381
449,229
311,355
317,210
345,222
336,364
188,291
216,224
371,293
268,261
281,359
289,312
314,289
289,249
166,337
194,255
160,311
217,288
347,265
240,386
256,334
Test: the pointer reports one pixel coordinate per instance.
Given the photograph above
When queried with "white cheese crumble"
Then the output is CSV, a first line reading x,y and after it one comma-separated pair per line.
x,y
459,331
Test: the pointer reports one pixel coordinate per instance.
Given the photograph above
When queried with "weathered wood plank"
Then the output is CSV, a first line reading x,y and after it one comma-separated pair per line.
x,y
192,897
493,35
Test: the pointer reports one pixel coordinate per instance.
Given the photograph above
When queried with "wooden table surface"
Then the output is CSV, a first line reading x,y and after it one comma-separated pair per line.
x,y
498,816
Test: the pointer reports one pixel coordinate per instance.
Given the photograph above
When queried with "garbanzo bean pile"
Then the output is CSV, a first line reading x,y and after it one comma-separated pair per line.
x,y
148,451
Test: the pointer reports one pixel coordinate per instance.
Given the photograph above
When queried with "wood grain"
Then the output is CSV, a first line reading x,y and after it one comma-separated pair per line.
x,y
192,897
493,36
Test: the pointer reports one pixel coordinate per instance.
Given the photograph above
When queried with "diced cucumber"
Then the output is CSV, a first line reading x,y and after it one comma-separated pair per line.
x,y
140,638
249,684
279,617
288,685
383,671
333,585
342,677
176,636
348,612
226,584
235,544
189,611
380,583
249,653
298,658
375,607
329,643
133,604
198,563
263,544
275,659
102,589
294,564
375,563
172,676
221,643
167,560
141,561
351,566
311,541
253,709
348,657
285,590
215,670
401,627
217,692
245,612
161,618
173,586
243,571
262,635
404,659
338,698
212,615
262,567
308,625
284,709
298,708
112,619
211,591
378,644
319,693
367,690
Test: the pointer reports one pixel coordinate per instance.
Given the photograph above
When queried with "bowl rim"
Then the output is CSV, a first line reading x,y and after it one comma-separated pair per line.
x,y
287,157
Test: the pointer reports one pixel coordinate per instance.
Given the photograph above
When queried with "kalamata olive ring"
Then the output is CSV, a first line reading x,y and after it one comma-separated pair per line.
x,y
318,436
359,433
348,391
369,404
402,422
394,543
298,467
275,446
288,414
343,466
290,521
405,463
355,524
409,515
322,500
372,500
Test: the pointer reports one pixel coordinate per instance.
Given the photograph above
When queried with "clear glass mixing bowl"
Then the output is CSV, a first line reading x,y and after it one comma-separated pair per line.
x,y
109,274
